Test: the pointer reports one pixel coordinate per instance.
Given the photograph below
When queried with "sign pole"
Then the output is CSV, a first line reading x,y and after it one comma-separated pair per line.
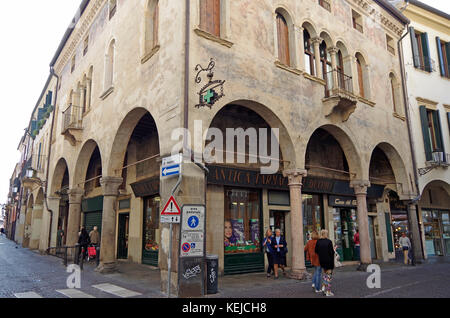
x,y
170,262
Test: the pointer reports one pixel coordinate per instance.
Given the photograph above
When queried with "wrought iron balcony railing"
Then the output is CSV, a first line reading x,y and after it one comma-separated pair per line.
x,y
344,83
72,118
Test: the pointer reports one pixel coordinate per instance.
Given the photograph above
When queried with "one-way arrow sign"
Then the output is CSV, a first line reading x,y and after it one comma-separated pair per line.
x,y
171,170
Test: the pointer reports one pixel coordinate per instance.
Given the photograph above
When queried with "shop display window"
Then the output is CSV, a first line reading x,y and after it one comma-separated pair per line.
x,y
312,214
151,224
242,231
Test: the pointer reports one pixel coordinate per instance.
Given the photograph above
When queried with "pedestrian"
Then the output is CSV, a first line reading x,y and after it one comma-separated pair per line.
x,y
312,256
94,236
325,250
405,243
269,251
279,247
83,241
357,245
2,231
60,237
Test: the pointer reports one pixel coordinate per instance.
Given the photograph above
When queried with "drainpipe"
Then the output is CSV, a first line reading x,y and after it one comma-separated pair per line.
x,y
186,72
52,72
408,121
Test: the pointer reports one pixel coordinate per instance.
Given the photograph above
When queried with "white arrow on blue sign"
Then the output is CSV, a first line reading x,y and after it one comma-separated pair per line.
x,y
171,171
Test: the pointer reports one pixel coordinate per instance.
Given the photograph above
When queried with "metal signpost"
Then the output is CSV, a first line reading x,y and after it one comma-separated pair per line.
x,y
171,167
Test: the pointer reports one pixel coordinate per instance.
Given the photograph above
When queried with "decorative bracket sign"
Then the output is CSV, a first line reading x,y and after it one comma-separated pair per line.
x,y
213,90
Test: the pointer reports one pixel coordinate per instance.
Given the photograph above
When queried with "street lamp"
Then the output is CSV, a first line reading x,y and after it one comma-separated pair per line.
x,y
30,173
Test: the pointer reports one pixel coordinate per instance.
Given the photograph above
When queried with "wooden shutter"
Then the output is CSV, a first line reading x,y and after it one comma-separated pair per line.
x,y
441,59
360,78
155,24
447,51
438,131
426,133
426,52
389,233
283,40
210,16
415,47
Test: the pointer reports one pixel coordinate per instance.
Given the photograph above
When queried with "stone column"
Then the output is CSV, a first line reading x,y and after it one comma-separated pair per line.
x,y
360,188
414,235
73,227
110,187
333,52
316,43
300,45
297,247
53,204
36,224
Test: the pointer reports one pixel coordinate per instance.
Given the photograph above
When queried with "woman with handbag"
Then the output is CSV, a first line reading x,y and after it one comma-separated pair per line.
x,y
269,251
324,248
279,247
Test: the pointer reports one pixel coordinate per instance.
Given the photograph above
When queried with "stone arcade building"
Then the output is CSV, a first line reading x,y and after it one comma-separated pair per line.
x,y
320,72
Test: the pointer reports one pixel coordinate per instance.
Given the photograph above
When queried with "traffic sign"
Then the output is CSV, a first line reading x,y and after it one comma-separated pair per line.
x,y
170,219
171,208
171,171
192,244
193,218
172,160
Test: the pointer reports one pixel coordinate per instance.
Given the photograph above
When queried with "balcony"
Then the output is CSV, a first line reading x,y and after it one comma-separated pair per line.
x,y
339,98
439,160
73,124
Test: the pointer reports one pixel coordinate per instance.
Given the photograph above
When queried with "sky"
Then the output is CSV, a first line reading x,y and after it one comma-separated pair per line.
x,y
31,32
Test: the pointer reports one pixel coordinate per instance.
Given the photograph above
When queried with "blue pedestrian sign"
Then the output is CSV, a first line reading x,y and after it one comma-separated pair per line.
x,y
171,171
193,222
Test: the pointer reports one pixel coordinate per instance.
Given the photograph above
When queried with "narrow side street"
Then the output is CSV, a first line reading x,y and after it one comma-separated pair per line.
x,y
27,274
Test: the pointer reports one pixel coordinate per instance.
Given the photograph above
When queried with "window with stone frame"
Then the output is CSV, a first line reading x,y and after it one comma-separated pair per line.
x,y
210,16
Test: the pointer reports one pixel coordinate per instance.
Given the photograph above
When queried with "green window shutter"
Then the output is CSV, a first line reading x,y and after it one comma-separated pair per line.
x,y
48,100
33,125
389,233
426,133
415,47
438,131
441,58
426,52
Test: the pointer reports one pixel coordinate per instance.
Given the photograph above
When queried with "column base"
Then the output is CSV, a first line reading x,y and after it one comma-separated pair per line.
x,y
107,268
298,274
362,267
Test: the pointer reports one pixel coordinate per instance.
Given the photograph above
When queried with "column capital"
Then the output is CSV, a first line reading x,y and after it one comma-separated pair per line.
x,y
295,176
298,28
75,195
333,50
110,185
360,186
317,40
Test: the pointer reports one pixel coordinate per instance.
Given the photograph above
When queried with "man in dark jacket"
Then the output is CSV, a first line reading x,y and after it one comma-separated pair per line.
x,y
325,250
84,241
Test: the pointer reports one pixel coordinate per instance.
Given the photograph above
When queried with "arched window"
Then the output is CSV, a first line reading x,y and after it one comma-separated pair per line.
x,y
210,16
309,54
363,77
112,8
151,25
109,67
340,69
283,40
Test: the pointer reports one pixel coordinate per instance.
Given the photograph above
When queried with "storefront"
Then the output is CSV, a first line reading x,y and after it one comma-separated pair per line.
x,y
436,224
148,191
93,212
123,227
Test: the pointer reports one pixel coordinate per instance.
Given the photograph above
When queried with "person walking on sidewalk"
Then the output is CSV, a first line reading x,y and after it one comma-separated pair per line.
x,y
83,241
94,236
357,245
2,231
312,256
405,243
279,247
269,251
324,248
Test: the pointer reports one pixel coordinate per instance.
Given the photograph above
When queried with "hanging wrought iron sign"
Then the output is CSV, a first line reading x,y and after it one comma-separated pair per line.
x,y
213,90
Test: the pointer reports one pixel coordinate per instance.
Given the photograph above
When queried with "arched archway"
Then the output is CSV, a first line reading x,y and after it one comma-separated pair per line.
x,y
60,186
36,220
28,220
86,160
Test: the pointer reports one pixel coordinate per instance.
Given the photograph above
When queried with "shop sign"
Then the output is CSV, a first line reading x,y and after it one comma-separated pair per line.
x,y
146,188
338,201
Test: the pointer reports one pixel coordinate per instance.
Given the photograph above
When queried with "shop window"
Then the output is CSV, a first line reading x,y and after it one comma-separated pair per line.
x,y
312,214
242,231
151,226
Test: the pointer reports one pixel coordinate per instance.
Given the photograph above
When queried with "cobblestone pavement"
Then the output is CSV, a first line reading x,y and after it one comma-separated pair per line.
x,y
25,273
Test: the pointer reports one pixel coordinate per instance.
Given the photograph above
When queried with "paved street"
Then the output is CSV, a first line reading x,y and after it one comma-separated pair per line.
x,y
24,273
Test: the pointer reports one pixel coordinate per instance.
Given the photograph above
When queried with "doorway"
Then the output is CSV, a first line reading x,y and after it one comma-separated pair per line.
x,y
278,221
123,233
373,247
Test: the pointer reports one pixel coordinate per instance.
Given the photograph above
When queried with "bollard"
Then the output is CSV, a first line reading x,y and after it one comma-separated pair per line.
x,y
97,248
65,257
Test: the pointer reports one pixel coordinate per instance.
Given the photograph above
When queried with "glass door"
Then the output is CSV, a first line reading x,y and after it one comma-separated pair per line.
x,y
373,248
446,231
